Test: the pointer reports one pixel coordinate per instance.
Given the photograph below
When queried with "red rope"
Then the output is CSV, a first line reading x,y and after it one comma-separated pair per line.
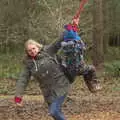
x,y
75,20
82,3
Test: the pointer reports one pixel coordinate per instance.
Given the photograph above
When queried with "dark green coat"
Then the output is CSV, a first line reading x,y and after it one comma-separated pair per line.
x,y
52,80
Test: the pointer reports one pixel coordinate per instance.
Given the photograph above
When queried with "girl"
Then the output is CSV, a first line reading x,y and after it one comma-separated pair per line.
x,y
52,81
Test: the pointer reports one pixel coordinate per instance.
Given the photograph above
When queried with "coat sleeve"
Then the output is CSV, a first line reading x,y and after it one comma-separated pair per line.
x,y
22,82
53,48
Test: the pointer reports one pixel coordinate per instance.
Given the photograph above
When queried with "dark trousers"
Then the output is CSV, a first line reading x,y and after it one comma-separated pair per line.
x,y
87,71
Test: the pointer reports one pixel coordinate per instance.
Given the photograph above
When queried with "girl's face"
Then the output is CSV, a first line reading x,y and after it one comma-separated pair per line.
x,y
32,50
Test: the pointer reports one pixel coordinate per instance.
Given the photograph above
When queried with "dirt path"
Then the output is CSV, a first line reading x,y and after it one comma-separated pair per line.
x,y
75,108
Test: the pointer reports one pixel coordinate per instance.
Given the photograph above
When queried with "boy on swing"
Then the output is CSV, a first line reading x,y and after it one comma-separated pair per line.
x,y
71,55
72,41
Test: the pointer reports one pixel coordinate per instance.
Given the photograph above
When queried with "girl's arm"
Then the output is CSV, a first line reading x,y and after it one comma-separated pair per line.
x,y
21,84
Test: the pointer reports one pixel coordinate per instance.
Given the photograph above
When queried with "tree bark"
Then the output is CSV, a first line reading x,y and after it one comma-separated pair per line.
x,y
98,55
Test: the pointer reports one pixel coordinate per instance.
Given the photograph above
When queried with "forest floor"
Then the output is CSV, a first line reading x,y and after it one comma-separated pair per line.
x,y
79,105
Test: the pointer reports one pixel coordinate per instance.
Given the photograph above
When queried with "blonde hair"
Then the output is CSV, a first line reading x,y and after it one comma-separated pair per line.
x,y
30,41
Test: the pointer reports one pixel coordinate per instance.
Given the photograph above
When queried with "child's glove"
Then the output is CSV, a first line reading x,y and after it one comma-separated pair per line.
x,y
75,28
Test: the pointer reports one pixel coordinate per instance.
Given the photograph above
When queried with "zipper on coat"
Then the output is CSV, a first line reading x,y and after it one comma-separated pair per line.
x,y
36,68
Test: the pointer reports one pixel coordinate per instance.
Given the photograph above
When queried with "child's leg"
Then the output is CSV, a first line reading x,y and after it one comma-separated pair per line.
x,y
90,78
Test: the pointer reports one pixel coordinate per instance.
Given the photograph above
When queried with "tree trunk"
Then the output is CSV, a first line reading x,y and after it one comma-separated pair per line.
x,y
98,55
106,7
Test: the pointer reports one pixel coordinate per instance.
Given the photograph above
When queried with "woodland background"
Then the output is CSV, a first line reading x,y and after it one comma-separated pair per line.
x,y
43,20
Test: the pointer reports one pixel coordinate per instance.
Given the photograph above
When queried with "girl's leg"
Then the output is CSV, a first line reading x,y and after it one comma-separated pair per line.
x,y
55,109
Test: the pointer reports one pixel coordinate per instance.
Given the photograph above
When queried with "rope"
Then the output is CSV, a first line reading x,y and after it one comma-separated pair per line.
x,y
81,6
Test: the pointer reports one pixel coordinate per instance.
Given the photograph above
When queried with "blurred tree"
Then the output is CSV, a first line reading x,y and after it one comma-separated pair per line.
x,y
13,22
98,55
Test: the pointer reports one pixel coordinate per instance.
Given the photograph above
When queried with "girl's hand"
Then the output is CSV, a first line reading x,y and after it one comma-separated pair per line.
x,y
19,104
18,101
